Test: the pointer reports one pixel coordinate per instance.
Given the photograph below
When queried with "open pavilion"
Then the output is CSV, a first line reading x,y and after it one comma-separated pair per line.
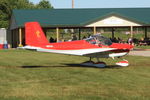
x,y
77,19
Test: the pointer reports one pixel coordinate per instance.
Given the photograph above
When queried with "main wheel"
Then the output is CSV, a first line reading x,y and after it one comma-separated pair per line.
x,y
100,64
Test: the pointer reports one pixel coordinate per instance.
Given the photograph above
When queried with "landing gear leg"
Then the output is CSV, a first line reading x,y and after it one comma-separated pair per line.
x,y
90,59
98,59
88,63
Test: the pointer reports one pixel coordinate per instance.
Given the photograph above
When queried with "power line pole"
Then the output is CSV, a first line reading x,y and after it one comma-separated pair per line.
x,y
72,3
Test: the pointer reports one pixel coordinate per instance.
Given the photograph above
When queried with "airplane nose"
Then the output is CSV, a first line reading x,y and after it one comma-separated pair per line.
x,y
131,46
122,46
127,46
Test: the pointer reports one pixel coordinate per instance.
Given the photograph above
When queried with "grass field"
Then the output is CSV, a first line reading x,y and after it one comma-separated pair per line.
x,y
143,47
28,75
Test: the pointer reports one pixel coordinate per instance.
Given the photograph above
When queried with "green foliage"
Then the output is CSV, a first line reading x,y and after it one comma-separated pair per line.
x,y
6,7
29,75
44,4
3,24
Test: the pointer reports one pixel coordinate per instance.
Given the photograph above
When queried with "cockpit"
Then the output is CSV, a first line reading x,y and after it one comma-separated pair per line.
x,y
99,40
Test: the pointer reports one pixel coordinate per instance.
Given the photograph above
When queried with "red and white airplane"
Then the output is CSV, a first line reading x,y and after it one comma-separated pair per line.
x,y
96,46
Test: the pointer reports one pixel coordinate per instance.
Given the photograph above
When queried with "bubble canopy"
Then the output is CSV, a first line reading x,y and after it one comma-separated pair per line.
x,y
99,39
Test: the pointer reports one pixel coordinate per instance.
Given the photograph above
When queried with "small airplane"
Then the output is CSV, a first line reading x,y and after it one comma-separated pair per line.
x,y
96,46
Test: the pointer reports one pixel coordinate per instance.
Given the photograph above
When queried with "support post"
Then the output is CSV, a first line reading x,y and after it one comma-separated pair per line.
x,y
20,37
79,34
45,32
131,31
94,29
72,3
113,33
145,32
57,33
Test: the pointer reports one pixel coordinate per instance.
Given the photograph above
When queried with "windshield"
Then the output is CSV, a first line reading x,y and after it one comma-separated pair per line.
x,y
99,39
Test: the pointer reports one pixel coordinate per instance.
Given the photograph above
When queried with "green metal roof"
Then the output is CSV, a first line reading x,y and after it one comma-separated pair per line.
x,y
78,17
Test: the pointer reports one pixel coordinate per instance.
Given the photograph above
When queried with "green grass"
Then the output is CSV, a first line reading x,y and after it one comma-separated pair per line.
x,y
28,75
143,47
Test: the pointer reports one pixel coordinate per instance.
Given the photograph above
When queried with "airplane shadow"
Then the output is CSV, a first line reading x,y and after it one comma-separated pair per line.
x,y
32,66
83,66
71,65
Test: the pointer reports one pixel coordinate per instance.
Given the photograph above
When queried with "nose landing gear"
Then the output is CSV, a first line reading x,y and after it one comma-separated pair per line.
x,y
123,63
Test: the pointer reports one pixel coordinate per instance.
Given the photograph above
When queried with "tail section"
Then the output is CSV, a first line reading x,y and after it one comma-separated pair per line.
x,y
34,35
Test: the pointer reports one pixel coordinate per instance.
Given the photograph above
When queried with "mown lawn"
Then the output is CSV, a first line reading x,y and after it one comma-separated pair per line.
x,y
28,75
143,47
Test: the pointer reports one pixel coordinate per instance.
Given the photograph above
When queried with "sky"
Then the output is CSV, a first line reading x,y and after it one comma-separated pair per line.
x,y
98,3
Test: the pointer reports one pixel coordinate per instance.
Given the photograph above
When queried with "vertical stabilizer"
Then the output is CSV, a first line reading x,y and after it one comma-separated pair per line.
x,y
34,35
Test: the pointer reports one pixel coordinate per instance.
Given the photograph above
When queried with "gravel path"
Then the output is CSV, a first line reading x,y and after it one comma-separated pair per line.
x,y
145,53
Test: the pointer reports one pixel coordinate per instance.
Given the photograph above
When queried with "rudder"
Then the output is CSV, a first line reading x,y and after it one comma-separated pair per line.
x,y
34,35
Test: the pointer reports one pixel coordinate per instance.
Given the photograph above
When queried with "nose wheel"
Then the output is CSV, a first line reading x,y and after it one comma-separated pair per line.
x,y
123,63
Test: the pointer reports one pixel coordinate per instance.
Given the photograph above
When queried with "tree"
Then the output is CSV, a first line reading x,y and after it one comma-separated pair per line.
x,y
44,4
6,7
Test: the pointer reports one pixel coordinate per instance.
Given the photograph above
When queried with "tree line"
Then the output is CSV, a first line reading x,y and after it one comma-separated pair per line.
x,y
6,7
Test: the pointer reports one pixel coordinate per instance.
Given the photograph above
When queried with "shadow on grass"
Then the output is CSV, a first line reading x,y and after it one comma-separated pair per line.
x,y
40,66
83,66
72,66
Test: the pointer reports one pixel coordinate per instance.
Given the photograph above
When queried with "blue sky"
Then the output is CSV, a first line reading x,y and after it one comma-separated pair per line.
x,y
98,3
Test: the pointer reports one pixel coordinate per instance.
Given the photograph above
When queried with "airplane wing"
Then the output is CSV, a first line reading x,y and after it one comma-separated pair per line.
x,y
81,52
